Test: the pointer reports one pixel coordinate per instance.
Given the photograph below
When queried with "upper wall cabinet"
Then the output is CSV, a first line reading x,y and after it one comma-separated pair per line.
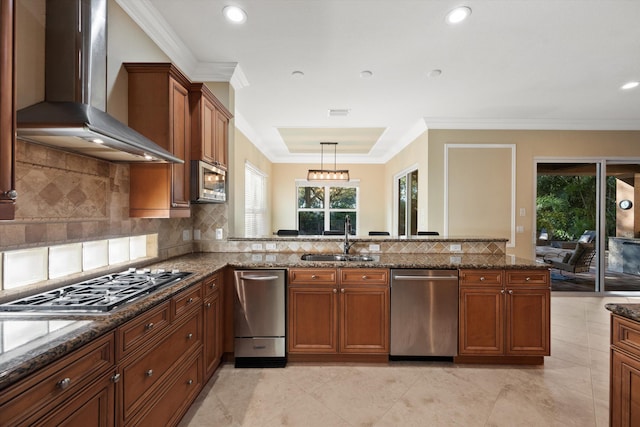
x,y
159,109
209,126
7,110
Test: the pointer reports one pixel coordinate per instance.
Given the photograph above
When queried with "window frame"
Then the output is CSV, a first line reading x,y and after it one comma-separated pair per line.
x,y
354,183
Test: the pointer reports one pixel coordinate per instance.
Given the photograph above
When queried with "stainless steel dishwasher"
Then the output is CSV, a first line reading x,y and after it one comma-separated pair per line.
x,y
424,313
259,319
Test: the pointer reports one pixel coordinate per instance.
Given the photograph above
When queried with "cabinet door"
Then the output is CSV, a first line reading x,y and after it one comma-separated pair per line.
x,y
179,128
93,406
481,325
313,319
208,131
221,139
212,334
625,390
364,319
527,322
7,110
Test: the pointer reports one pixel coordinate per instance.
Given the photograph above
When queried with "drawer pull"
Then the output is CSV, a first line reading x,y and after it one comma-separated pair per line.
x,y
314,277
342,290
212,286
527,279
482,278
189,336
208,305
190,300
190,382
502,291
510,292
335,291
149,326
149,373
364,277
62,384
115,378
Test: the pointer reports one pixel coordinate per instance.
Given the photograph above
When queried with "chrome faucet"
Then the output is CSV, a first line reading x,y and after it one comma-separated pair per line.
x,y
347,230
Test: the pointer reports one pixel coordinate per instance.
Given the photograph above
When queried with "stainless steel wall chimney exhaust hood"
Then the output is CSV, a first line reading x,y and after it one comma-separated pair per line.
x,y
73,116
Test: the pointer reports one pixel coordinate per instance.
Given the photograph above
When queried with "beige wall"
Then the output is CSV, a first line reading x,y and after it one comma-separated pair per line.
x,y
529,146
372,215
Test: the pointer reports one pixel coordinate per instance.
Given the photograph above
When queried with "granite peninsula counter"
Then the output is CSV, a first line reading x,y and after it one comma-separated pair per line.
x,y
62,334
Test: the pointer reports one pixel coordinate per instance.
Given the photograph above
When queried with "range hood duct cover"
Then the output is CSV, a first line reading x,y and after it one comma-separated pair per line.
x,y
73,116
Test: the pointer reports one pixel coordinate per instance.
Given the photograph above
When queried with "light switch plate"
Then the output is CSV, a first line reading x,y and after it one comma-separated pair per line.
x,y
218,233
374,248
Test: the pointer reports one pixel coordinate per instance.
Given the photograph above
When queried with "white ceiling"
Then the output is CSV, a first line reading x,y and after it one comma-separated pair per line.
x,y
514,64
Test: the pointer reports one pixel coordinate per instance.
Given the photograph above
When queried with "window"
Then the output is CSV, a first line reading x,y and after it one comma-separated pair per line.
x,y
407,201
323,208
255,201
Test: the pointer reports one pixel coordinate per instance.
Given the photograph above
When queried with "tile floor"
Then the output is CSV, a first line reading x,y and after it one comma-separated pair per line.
x,y
571,389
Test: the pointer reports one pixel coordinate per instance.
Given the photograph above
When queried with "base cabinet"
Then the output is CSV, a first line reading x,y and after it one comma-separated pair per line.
x,y
338,311
504,313
212,348
624,393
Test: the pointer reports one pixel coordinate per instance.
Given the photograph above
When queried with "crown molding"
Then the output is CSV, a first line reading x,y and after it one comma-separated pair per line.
x,y
466,123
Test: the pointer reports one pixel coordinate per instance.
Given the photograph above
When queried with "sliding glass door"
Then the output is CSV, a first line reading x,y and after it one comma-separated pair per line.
x,y
586,224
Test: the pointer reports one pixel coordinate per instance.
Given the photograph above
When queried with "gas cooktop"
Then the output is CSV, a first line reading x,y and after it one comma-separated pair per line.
x,y
101,294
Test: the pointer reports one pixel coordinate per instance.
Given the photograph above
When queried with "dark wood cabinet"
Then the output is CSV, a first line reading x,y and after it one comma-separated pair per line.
x,y
212,349
209,126
77,389
7,110
624,393
504,313
344,311
159,109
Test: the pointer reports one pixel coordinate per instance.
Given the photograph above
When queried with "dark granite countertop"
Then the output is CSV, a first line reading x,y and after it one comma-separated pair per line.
x,y
60,334
629,311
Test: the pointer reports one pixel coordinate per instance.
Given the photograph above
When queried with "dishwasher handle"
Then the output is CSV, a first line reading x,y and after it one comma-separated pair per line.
x,y
428,278
259,278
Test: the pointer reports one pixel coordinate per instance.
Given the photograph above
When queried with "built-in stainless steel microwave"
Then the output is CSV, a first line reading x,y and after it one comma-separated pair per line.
x,y
208,183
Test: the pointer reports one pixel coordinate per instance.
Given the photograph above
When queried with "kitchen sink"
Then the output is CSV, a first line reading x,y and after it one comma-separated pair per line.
x,y
335,257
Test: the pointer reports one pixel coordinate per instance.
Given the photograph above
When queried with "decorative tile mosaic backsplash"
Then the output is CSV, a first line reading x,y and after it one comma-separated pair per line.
x,y
67,198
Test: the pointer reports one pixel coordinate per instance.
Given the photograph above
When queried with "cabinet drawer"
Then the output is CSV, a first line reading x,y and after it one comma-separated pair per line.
x,y
186,300
176,396
48,388
364,276
481,277
312,275
625,334
528,277
141,376
140,330
210,285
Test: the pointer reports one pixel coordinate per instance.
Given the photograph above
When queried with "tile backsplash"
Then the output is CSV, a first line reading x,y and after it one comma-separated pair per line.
x,y
65,198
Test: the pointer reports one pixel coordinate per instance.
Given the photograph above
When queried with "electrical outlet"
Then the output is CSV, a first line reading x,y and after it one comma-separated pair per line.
x,y
270,258
455,247
218,233
271,246
186,234
455,259
374,248
256,246
196,235
256,257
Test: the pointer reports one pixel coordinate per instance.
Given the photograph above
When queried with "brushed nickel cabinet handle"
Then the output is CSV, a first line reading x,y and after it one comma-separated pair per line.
x,y
335,291
190,382
149,372
527,278
208,305
510,292
115,378
364,277
149,326
189,336
502,291
62,384
190,300
314,277
342,290
482,278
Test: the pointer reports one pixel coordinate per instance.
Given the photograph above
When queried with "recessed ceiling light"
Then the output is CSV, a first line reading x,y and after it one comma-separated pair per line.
x,y
434,73
234,14
366,74
298,75
629,85
458,14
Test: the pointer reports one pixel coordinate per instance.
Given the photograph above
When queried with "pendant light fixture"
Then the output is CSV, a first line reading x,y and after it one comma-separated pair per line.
x,y
323,174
